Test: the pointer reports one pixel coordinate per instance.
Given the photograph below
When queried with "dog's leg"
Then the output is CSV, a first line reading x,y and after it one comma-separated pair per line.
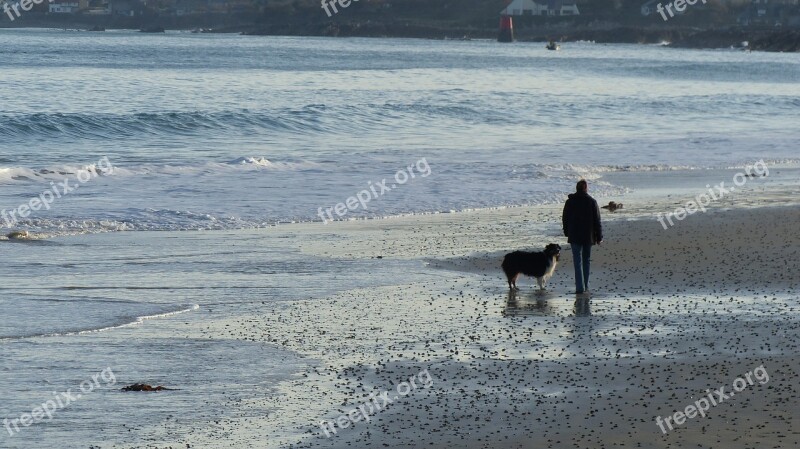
x,y
540,282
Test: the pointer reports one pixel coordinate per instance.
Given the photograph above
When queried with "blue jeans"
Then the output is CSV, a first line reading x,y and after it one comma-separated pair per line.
x,y
581,255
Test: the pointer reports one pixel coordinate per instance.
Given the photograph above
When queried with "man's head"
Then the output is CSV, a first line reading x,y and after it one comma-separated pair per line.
x,y
582,186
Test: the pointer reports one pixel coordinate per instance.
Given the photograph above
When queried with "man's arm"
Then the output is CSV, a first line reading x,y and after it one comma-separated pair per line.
x,y
598,226
564,218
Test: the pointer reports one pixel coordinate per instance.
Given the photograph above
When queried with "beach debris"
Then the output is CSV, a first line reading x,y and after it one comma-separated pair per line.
x,y
612,206
145,387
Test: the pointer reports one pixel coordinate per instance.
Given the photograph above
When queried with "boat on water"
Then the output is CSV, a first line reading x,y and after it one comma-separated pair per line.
x,y
553,46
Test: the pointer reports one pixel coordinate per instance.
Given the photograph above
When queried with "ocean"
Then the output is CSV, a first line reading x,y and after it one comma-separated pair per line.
x,y
237,134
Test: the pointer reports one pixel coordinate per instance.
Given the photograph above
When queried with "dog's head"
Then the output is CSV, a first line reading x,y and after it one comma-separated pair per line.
x,y
553,250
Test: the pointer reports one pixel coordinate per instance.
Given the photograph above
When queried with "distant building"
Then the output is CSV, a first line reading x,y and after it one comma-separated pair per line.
x,y
97,8
770,13
67,6
562,8
97,11
524,8
532,8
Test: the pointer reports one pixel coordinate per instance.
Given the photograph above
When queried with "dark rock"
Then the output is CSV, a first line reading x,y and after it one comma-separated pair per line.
x,y
144,387
783,41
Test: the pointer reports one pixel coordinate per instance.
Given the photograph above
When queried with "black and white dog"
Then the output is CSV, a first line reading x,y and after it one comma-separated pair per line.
x,y
540,265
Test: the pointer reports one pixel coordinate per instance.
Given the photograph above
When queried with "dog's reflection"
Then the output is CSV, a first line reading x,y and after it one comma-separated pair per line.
x,y
543,303
532,303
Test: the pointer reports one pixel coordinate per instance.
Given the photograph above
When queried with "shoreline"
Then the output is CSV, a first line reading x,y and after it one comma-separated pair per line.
x,y
499,362
752,39
502,367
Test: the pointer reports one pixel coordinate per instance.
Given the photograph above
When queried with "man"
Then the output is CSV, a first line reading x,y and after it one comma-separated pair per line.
x,y
581,221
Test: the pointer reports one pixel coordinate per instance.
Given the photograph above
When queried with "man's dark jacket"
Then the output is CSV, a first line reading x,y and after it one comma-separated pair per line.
x,y
581,220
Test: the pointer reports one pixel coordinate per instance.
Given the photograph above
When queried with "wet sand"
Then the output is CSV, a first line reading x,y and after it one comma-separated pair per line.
x,y
673,313
301,323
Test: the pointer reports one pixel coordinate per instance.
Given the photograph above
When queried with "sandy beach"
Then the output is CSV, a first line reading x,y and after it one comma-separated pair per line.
x,y
278,330
673,313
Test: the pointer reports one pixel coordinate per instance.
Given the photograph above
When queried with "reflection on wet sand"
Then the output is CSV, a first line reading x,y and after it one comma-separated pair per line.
x,y
582,307
533,303
544,303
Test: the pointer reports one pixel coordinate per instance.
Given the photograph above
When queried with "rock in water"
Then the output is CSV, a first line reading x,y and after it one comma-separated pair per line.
x,y
144,387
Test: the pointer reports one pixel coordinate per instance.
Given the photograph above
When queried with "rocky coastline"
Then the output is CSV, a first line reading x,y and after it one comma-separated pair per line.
x,y
755,39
